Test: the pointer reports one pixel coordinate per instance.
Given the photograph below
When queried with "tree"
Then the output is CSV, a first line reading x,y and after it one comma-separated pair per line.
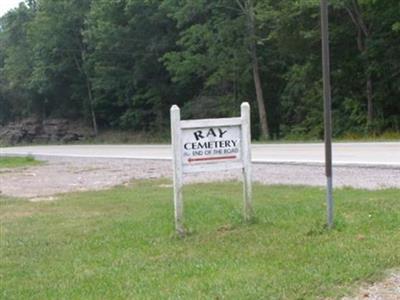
x,y
122,63
374,23
126,40
16,64
363,34
218,48
59,72
247,8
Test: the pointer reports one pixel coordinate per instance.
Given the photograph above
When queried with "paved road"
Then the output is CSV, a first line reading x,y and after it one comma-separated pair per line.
x,y
370,154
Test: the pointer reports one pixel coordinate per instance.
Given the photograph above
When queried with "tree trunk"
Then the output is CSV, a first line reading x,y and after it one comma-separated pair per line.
x,y
92,112
363,33
260,98
370,96
256,70
82,70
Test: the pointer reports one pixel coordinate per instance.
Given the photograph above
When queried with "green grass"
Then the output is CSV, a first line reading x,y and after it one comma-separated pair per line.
x,y
17,161
120,244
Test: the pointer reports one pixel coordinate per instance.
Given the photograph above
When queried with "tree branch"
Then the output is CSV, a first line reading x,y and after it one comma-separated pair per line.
x,y
241,6
359,16
77,64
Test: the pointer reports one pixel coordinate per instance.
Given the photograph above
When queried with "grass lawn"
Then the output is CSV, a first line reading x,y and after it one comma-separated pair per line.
x,y
120,244
17,161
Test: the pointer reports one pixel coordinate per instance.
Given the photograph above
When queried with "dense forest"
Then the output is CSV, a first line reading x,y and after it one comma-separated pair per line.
x,y
122,63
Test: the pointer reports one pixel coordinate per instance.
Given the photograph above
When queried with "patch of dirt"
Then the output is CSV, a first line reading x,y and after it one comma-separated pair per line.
x,y
17,214
166,186
388,289
225,228
43,199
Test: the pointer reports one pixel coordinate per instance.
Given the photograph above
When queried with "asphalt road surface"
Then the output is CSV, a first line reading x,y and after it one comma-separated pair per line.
x,y
386,154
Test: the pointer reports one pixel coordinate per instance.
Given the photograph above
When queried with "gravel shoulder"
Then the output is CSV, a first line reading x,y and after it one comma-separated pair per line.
x,y
60,175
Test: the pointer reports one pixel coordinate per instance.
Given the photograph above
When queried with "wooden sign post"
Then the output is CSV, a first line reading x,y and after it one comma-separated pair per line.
x,y
210,145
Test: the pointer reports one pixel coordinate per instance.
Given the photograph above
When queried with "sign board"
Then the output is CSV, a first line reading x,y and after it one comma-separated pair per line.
x,y
210,145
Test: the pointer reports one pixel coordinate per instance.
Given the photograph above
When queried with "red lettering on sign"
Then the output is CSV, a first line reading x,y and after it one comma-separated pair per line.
x,y
212,158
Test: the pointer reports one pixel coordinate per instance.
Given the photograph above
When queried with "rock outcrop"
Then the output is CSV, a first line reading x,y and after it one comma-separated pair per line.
x,y
47,131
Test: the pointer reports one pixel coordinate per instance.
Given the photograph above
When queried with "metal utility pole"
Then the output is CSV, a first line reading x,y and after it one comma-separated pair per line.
x,y
327,109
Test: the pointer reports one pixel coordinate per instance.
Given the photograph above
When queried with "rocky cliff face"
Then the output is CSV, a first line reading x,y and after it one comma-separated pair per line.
x,y
35,131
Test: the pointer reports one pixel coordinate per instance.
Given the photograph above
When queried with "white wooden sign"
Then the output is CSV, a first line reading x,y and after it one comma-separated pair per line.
x,y
210,145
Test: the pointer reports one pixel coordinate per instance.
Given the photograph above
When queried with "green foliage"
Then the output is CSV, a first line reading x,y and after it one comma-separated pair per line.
x,y
120,244
16,65
15,162
56,37
127,40
124,63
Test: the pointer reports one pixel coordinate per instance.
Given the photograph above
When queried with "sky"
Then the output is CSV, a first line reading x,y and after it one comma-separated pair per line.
x,y
6,5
